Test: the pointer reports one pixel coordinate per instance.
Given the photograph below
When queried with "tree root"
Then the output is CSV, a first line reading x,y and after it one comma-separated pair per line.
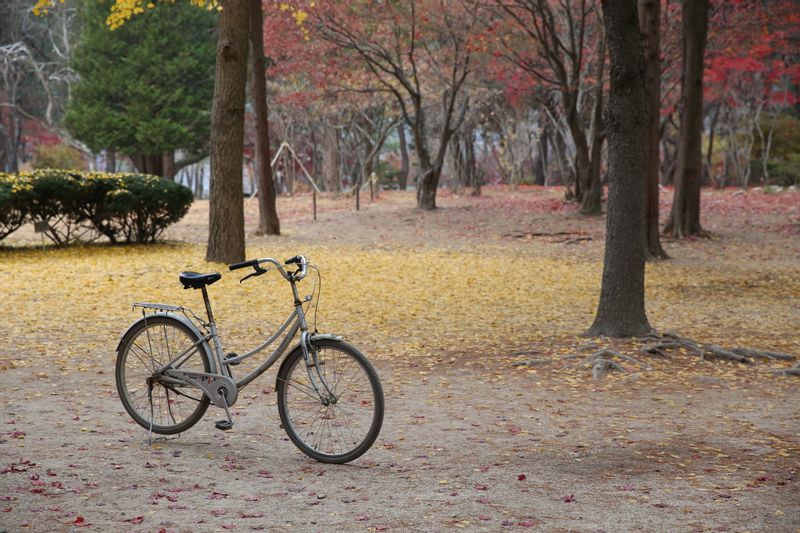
x,y
602,362
669,341
793,371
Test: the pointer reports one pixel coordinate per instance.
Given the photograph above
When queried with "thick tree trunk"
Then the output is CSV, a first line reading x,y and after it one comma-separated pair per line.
x,y
226,209
684,219
649,20
402,179
621,311
583,180
268,222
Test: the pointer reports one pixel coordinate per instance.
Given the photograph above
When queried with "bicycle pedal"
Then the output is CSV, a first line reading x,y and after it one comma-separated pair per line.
x,y
231,355
224,425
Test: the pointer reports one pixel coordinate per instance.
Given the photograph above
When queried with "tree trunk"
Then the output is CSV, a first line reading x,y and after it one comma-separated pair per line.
x,y
330,159
168,167
684,219
268,222
111,160
621,311
649,20
591,203
226,209
402,180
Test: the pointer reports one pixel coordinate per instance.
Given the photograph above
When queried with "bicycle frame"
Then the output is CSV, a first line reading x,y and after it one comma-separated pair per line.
x,y
212,344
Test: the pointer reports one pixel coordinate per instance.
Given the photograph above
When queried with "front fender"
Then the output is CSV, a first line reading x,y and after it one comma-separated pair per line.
x,y
298,348
183,320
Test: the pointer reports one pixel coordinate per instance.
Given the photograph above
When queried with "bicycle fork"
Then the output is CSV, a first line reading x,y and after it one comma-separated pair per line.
x,y
311,356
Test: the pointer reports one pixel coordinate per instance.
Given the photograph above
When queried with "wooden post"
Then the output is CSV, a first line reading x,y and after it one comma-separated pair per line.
x,y
314,201
358,195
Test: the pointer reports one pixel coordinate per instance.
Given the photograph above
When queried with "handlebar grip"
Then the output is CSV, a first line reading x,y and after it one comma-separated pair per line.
x,y
294,260
245,264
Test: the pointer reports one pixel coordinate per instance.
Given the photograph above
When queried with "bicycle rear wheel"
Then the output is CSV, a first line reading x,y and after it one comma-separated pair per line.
x,y
339,429
147,346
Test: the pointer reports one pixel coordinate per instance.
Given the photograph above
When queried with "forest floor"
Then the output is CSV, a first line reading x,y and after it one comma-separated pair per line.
x,y
447,304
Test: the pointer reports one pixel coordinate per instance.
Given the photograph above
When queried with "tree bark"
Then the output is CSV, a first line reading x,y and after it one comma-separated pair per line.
x,y
649,20
226,209
268,222
168,168
402,180
111,160
684,219
621,311
330,159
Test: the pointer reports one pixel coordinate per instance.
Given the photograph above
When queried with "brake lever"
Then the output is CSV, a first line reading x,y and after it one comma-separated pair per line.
x,y
258,272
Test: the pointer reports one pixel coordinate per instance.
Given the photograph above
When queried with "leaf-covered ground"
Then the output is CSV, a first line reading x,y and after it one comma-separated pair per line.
x,y
446,304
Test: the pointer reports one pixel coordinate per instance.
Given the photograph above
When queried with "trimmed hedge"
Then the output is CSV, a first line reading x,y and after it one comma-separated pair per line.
x,y
82,206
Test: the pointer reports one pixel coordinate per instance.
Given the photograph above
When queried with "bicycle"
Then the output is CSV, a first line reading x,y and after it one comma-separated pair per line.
x,y
168,372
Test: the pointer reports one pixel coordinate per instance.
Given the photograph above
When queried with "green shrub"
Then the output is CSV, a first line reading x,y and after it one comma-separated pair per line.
x,y
15,197
783,173
81,206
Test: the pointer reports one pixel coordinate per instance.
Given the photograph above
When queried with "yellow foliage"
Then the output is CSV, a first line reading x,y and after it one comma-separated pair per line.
x,y
122,10
71,305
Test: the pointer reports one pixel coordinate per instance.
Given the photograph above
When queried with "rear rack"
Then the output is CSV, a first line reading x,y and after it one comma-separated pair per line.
x,y
171,309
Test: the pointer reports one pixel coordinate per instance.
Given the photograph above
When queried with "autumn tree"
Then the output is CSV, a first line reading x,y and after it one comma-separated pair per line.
x,y
418,52
555,43
684,218
621,310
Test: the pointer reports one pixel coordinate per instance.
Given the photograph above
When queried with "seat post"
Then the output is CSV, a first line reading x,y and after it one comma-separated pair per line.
x,y
208,305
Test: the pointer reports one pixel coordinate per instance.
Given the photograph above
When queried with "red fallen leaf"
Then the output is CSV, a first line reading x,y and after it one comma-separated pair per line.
x,y
521,477
81,522
218,496
37,490
136,519
264,473
481,487
57,485
5,498
568,498
253,499
33,477
18,435
175,506
228,526
507,523
361,518
628,487
526,523
218,512
51,472
253,515
514,429
483,500
484,517
76,417
7,510
380,528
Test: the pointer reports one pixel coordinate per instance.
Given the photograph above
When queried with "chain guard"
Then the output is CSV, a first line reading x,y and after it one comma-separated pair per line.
x,y
221,390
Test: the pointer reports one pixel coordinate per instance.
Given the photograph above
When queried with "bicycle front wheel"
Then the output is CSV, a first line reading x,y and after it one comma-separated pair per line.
x,y
335,428
148,346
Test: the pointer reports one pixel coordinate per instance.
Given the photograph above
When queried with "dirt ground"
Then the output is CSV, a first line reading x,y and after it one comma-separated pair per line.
x,y
470,440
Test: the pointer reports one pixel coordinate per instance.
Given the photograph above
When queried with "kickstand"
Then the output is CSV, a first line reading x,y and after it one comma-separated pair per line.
x,y
150,398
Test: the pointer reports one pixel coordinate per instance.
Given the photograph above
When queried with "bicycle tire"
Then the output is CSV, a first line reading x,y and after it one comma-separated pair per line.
x,y
150,342
314,427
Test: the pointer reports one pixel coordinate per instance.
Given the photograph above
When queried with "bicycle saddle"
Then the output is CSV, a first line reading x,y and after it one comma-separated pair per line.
x,y
195,280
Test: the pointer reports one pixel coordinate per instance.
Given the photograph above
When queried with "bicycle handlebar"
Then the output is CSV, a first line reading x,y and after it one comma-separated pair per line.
x,y
293,276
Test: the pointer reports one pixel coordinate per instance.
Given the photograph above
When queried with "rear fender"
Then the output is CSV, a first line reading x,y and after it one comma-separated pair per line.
x,y
183,320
